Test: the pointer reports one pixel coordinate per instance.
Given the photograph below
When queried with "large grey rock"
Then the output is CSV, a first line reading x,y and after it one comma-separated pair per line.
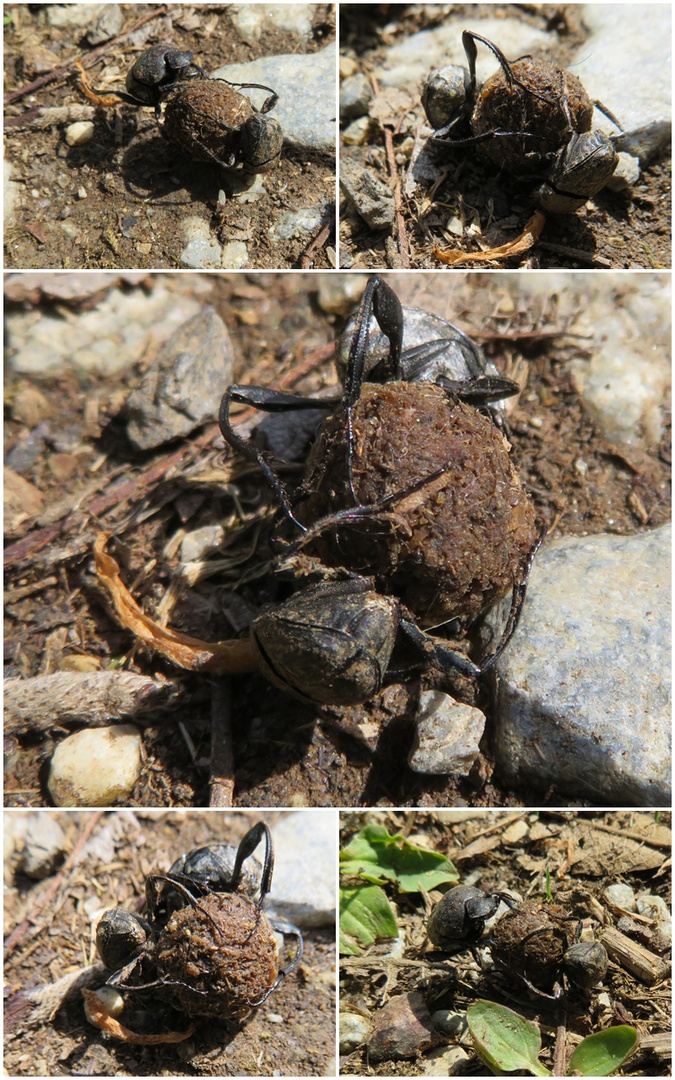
x,y
583,691
303,889
305,84
179,391
625,63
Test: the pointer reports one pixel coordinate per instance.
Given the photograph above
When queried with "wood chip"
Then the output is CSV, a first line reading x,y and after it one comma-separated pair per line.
x,y
643,964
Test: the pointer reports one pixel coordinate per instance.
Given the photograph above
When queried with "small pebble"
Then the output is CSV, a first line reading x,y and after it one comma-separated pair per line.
x,y
81,193
445,1061
447,1022
620,895
516,832
402,1029
79,133
357,132
655,907
111,1000
201,542
354,1030
96,767
234,255
447,737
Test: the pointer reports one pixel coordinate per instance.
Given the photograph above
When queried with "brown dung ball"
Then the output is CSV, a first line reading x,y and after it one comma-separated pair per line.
x,y
199,115
222,946
534,104
447,549
537,957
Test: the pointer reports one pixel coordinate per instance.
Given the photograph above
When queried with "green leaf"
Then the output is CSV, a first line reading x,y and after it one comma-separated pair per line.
x,y
365,916
378,857
503,1040
603,1053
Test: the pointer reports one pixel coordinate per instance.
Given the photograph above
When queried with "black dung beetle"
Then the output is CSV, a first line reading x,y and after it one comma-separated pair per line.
x,y
158,69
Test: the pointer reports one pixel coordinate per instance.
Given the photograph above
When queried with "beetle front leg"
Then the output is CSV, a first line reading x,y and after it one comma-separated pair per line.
x,y
270,401
517,601
247,846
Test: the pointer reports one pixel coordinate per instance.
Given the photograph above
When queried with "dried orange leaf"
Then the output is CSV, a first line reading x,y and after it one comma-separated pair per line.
x,y
219,657
100,1016
524,242
104,101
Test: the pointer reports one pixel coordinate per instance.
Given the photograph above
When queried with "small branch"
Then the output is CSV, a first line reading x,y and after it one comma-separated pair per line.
x,y
222,752
319,240
400,223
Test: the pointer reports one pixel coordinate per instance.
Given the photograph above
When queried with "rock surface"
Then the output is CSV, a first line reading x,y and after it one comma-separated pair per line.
x,y
583,691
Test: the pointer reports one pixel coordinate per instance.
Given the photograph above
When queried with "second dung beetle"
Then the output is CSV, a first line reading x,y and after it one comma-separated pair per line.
x,y
157,70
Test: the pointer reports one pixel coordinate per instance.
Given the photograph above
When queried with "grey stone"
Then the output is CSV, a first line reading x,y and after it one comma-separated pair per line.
x,y
251,19
107,25
371,198
306,220
303,890
448,734
357,132
655,907
625,64
305,85
176,394
234,255
583,691
447,1022
110,337
44,846
620,894
355,93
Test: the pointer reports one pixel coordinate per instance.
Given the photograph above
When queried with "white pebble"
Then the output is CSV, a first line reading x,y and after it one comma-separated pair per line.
x,y
620,895
112,1002
79,133
96,767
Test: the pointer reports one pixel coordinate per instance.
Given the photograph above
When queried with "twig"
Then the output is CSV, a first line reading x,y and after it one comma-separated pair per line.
x,y
400,223
559,1053
19,932
319,240
222,753
37,84
576,253
313,360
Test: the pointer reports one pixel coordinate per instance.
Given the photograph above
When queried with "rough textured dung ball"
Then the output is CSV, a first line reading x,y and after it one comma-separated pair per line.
x,y
199,114
531,941
223,953
448,548
534,104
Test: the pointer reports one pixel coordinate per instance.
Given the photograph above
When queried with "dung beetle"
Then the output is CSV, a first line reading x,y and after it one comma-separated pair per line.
x,y
531,118
206,946
586,963
458,920
381,558
158,69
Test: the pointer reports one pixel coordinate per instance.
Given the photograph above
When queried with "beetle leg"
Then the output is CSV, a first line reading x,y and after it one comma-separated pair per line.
x,y
269,102
517,600
381,301
436,654
283,928
483,390
468,41
270,401
247,846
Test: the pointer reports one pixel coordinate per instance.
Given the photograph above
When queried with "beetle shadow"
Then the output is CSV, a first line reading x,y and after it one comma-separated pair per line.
x,y
151,168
